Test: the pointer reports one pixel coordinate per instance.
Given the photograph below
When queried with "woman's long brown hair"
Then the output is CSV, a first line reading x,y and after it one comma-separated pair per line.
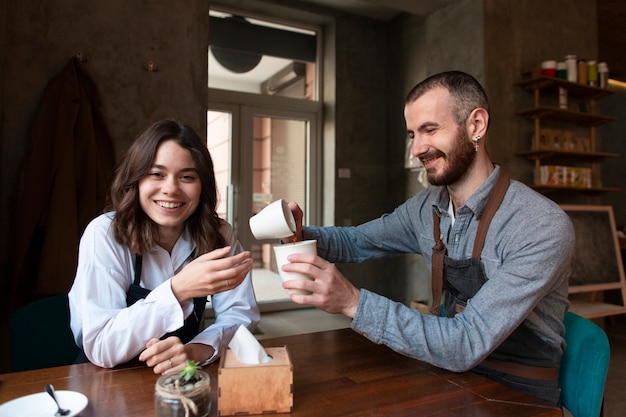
x,y
131,226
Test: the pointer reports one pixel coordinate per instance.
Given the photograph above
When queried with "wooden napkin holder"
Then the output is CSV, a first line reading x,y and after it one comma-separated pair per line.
x,y
255,389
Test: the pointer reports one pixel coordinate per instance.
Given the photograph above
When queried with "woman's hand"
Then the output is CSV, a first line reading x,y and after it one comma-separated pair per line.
x,y
164,356
211,273
169,355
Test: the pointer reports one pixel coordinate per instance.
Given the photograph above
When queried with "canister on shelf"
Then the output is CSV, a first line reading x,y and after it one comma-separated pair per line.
x,y
603,74
592,73
561,70
582,71
572,69
548,68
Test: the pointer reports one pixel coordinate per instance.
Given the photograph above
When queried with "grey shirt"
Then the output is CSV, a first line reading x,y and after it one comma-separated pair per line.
x,y
526,258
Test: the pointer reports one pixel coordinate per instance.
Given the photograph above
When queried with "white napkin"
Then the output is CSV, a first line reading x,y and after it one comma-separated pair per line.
x,y
246,348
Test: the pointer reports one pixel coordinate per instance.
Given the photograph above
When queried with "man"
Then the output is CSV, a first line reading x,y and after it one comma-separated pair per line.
x,y
499,254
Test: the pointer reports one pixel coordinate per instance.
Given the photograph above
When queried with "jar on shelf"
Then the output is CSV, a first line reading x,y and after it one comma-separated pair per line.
x,y
548,68
592,73
603,75
572,68
582,71
561,70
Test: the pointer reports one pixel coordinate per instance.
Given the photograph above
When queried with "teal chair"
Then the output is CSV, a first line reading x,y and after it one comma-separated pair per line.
x,y
584,366
40,335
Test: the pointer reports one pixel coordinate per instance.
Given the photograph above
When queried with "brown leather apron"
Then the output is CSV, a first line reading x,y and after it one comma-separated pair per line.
x,y
459,280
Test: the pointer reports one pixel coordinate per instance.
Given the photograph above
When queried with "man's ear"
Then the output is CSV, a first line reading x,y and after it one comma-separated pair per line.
x,y
477,122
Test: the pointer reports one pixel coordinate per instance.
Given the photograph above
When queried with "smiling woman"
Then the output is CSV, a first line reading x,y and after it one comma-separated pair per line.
x,y
146,267
170,192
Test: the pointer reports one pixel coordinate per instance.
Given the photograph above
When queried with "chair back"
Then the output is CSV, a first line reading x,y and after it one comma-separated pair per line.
x,y
40,335
584,366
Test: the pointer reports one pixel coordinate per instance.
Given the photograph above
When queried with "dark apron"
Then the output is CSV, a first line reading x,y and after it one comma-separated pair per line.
x,y
192,323
136,292
523,361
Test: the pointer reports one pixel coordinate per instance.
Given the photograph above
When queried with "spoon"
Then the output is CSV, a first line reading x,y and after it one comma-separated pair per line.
x,y
60,411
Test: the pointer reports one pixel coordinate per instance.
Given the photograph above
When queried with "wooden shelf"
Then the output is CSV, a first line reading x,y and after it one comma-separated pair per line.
x,y
558,114
591,190
586,280
535,154
575,89
545,142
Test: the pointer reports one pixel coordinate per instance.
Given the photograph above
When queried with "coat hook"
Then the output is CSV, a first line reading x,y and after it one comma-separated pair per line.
x,y
81,57
151,66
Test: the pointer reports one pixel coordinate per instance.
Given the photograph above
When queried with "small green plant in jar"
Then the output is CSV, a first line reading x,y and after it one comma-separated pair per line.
x,y
183,394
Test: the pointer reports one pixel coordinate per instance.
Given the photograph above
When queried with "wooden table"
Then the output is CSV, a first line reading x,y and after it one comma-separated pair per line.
x,y
336,373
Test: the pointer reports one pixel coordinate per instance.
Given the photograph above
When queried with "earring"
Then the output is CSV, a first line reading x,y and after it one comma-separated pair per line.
x,y
476,139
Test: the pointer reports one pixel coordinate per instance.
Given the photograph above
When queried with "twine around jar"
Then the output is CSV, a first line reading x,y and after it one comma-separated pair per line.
x,y
176,394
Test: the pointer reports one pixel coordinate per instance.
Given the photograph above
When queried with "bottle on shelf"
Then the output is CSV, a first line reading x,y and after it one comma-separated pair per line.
x,y
592,73
582,71
603,75
572,68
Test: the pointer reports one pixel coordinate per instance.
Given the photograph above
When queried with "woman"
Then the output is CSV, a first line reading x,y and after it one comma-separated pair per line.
x,y
146,266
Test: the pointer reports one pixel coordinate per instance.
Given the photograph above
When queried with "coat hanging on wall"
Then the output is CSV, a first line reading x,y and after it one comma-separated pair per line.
x,y
63,184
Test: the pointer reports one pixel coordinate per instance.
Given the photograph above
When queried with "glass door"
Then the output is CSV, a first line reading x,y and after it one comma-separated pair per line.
x,y
260,156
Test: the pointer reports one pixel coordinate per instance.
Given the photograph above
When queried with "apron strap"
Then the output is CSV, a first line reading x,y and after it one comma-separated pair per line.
x,y
496,197
138,264
439,250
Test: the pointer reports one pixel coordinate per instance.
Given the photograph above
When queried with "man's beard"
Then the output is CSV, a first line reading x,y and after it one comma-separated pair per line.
x,y
458,161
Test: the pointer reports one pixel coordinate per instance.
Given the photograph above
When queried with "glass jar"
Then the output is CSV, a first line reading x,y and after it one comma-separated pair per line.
x,y
171,399
592,73
572,68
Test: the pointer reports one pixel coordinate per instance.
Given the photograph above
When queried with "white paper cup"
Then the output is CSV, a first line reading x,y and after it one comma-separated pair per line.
x,y
284,250
273,222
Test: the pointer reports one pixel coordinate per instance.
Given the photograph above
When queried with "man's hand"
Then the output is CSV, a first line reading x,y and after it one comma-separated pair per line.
x,y
298,214
330,290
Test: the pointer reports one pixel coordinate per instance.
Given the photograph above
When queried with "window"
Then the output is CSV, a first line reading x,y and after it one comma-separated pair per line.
x,y
263,129
261,57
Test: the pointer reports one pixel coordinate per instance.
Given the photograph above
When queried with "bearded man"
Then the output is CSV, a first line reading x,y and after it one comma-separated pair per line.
x,y
499,254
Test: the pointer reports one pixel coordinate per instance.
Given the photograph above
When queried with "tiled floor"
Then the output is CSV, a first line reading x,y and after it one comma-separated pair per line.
x,y
279,323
